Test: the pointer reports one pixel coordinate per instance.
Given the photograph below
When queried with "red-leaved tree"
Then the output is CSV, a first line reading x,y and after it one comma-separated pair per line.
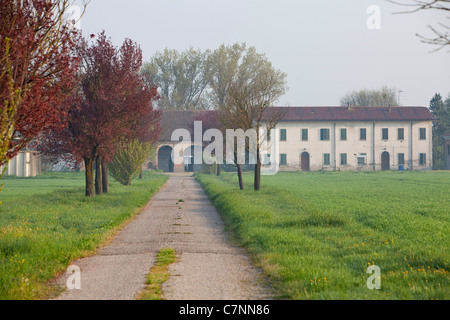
x,y
115,106
38,70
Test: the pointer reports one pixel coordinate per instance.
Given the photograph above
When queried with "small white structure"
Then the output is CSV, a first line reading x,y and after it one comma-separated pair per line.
x,y
26,164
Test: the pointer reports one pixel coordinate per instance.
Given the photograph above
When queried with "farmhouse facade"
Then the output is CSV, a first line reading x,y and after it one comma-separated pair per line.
x,y
327,138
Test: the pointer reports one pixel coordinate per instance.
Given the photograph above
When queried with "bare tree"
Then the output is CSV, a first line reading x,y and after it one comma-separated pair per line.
x,y
255,87
371,98
183,78
224,64
441,34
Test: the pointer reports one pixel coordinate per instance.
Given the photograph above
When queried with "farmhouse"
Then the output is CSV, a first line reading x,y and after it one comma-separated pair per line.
x,y
327,138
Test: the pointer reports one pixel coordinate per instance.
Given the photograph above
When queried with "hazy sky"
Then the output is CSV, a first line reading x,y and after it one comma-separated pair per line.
x,y
325,47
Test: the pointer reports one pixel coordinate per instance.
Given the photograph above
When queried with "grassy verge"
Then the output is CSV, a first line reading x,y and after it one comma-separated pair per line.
x,y
46,222
316,234
158,275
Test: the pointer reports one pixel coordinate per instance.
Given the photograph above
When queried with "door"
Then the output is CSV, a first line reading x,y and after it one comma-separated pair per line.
x,y
305,162
165,162
385,161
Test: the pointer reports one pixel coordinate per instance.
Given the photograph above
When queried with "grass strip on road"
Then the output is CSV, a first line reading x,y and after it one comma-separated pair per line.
x,y
158,275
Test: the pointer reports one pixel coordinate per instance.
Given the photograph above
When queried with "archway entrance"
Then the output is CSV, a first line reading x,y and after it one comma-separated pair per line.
x,y
305,162
165,162
385,161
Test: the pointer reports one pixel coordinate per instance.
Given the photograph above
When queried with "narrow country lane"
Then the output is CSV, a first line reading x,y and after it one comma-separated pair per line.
x,y
180,216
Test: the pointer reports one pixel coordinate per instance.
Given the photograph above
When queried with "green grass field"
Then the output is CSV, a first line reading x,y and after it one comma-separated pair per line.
x,y
46,222
315,234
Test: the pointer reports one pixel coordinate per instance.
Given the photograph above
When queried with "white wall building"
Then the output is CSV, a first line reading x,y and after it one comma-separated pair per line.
x,y
334,138
356,138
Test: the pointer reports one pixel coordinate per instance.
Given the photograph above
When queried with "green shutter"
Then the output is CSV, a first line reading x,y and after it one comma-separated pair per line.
x,y
305,135
326,159
283,159
343,134
343,159
363,134
283,135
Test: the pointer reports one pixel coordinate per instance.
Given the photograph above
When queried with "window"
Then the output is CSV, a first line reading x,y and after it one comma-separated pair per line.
x,y
343,159
343,134
385,134
401,134
268,135
326,159
401,159
363,134
283,135
423,159
283,159
267,161
362,159
423,134
304,134
324,134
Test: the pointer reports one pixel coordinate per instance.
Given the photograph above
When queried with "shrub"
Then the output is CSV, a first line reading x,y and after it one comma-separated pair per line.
x,y
128,161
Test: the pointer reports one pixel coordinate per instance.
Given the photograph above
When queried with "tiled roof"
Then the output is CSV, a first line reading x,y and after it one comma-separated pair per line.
x,y
172,120
357,114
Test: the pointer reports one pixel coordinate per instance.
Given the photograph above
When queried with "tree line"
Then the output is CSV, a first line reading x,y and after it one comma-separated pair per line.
x,y
85,100
74,98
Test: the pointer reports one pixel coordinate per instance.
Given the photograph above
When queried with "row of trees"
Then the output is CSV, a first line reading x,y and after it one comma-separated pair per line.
x,y
84,100
194,79
246,86
112,110
73,98
236,81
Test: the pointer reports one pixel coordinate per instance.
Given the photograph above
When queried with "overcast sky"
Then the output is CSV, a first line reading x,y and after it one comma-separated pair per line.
x,y
325,47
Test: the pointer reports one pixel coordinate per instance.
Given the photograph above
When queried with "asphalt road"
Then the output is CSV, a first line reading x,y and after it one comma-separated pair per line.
x,y
208,266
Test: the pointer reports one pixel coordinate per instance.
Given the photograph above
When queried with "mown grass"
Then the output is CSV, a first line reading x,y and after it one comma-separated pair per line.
x,y
45,222
315,234
158,275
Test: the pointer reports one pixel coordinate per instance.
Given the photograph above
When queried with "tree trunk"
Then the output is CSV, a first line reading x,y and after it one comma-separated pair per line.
x,y
98,177
257,182
241,182
89,164
105,177
239,170
219,169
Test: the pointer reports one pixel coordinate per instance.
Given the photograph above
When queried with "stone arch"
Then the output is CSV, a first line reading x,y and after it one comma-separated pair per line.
x,y
165,162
